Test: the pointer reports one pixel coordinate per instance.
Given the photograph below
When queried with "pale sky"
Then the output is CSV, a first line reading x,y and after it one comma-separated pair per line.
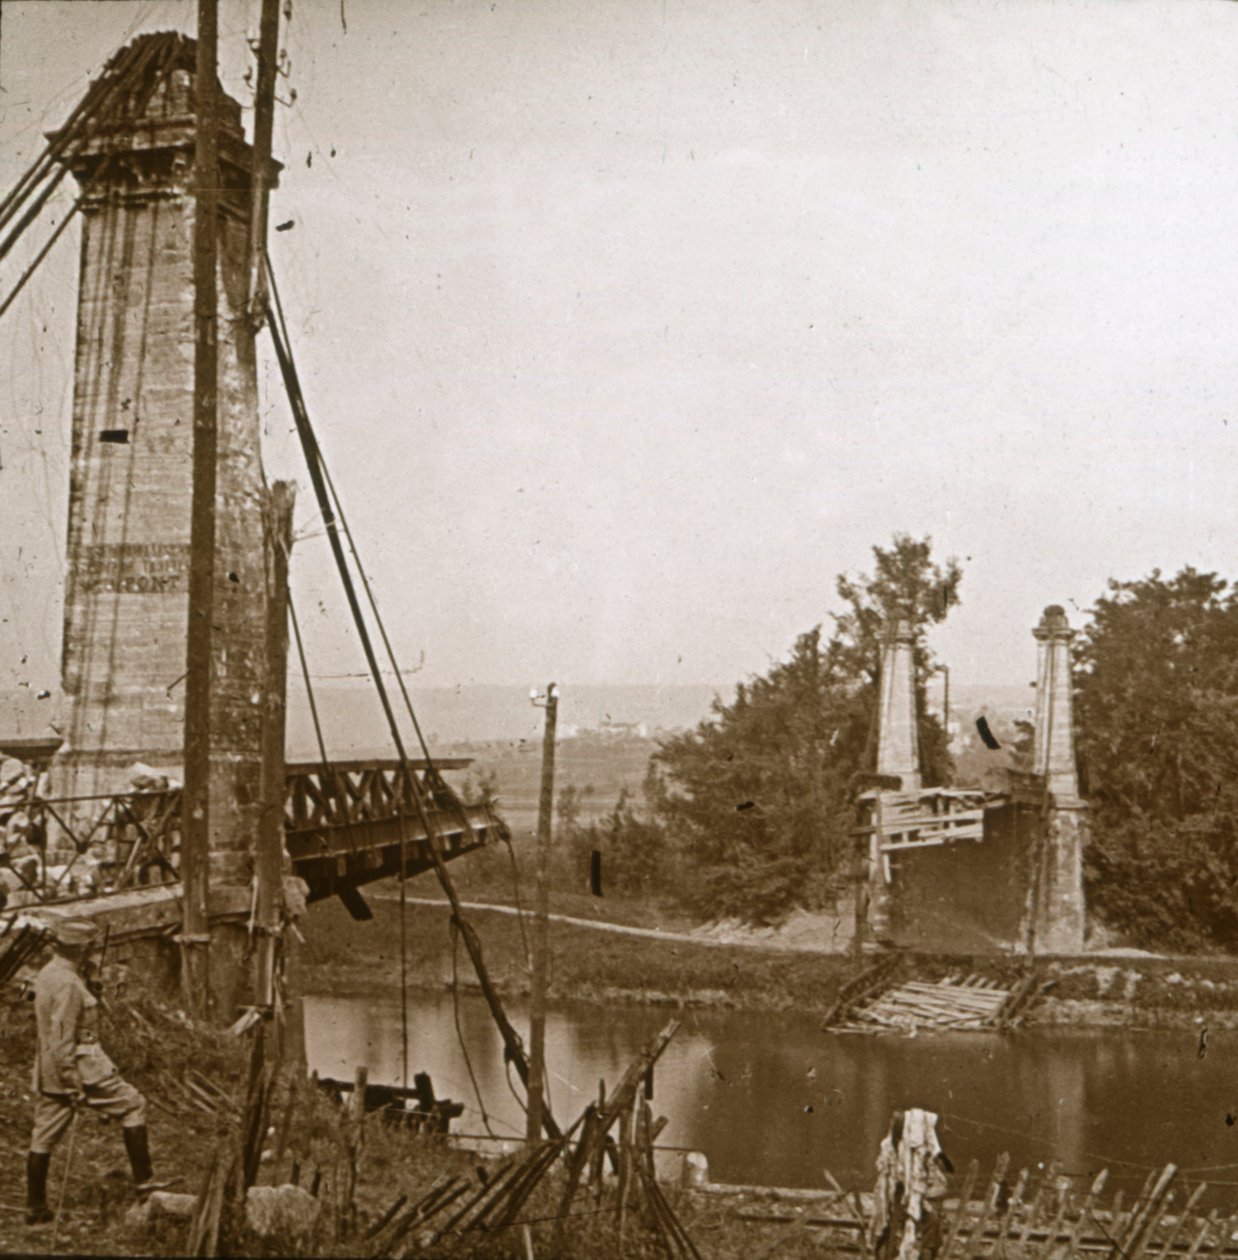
x,y
627,325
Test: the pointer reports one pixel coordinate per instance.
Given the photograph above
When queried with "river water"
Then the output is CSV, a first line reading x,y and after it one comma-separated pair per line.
x,y
772,1100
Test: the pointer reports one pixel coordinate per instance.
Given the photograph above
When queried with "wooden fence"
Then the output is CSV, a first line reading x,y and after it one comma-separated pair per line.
x,y
1039,1215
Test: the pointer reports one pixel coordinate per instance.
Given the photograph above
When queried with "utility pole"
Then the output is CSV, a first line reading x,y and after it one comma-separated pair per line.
x,y
541,926
268,866
195,810
269,855
264,122
865,820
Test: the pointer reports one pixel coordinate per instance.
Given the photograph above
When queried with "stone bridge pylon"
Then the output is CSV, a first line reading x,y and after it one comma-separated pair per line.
x,y
126,596
1056,909
969,869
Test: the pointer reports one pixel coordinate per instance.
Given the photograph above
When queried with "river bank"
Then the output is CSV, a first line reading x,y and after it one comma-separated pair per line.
x,y
664,959
341,955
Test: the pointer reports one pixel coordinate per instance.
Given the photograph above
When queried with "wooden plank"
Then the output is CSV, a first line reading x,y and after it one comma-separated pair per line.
x,y
1183,1218
1151,1225
953,997
1122,1226
1130,1242
1012,1209
1085,1211
973,1171
1033,1203
990,1201
1055,1228
1207,1227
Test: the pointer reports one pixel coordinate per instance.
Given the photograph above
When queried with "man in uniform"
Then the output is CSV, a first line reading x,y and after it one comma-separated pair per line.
x,y
71,1068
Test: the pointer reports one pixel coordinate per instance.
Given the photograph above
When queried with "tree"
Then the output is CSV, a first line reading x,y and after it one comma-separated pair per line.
x,y
756,803
1157,732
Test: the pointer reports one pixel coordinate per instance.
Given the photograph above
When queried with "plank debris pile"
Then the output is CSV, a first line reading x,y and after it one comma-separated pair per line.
x,y
957,1002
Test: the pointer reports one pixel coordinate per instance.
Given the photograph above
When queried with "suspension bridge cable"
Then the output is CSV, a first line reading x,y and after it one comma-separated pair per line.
x,y
433,774
455,1009
407,780
126,69
513,1045
328,769
438,784
95,96
403,963
30,270
378,620
309,689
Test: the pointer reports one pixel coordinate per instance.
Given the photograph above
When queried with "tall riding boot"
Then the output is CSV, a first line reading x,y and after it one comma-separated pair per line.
x,y
137,1147
37,1211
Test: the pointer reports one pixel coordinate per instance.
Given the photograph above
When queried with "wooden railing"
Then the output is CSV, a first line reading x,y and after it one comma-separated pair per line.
x,y
345,824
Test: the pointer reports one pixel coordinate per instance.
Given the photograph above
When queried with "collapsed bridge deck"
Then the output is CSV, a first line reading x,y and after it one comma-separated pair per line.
x,y
346,824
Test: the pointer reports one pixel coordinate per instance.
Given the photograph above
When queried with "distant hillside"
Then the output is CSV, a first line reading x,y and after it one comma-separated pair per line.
x,y
353,723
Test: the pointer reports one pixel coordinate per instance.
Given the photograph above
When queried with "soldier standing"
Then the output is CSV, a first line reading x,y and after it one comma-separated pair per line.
x,y
71,1069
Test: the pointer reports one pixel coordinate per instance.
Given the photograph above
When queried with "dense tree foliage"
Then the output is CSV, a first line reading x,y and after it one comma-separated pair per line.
x,y
753,808
1157,729
628,839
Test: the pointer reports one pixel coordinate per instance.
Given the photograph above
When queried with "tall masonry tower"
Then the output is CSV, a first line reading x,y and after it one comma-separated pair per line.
x,y
126,596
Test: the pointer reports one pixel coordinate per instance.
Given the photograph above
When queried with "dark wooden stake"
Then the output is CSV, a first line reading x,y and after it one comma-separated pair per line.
x,y
541,927
196,831
268,867
264,120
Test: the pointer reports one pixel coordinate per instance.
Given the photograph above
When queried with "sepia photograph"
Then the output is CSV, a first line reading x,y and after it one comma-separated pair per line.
x,y
618,629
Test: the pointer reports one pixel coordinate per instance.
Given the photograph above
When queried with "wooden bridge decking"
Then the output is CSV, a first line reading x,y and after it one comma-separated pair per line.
x,y
345,825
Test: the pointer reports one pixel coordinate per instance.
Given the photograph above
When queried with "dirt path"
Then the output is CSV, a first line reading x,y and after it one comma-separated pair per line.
x,y
728,939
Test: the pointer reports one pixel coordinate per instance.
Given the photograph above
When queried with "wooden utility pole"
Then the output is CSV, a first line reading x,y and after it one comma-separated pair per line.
x,y
195,813
541,926
268,866
264,121
865,818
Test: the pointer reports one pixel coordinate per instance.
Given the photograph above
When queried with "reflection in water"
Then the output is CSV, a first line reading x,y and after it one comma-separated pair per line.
x,y
771,1099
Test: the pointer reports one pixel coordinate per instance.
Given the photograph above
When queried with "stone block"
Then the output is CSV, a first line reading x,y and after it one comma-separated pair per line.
x,y
285,1214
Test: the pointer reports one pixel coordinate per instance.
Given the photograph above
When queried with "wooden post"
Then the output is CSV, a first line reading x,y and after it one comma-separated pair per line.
x,y
864,817
976,1232
264,120
195,825
269,861
541,926
354,1136
1184,1218
962,1212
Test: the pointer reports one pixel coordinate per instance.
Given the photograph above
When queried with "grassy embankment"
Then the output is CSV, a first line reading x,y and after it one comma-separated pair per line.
x,y
1143,992
1133,991
154,1050
342,955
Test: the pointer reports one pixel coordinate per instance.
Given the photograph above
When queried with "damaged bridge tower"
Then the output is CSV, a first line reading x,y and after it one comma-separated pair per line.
x,y
126,597
898,741
898,759
1056,911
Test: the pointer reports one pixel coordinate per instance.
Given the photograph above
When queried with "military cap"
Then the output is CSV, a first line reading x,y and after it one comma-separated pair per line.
x,y
74,932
